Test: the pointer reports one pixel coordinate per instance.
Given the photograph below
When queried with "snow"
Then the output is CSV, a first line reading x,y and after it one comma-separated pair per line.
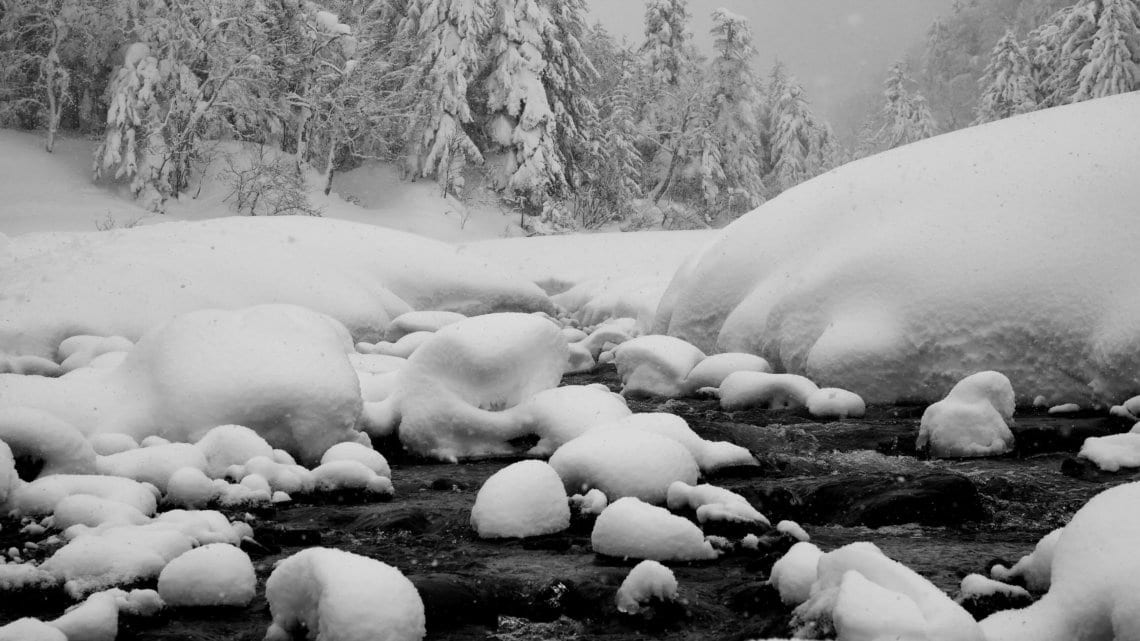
x,y
592,502
745,389
632,529
712,371
217,574
93,511
127,281
346,475
565,413
900,316
91,563
1113,452
342,596
112,443
1036,568
523,499
1065,408
973,419
655,365
227,445
80,351
189,487
794,530
709,455
831,402
363,454
153,465
451,395
38,435
1095,578
28,629
43,494
795,572
647,580
713,503
624,463
976,585
422,321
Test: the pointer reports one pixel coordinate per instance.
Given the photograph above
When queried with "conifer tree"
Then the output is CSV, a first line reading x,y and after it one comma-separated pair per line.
x,y
1113,65
906,115
1007,86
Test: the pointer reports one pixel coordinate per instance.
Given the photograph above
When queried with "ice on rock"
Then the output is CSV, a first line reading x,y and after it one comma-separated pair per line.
x,y
795,572
1113,452
976,585
709,455
154,465
343,596
1034,569
363,454
868,596
109,443
452,393
349,475
561,414
42,495
632,529
973,419
92,511
1095,578
80,351
523,499
901,305
713,503
744,390
647,580
420,321
831,402
712,371
278,369
212,575
227,445
655,365
39,435
624,463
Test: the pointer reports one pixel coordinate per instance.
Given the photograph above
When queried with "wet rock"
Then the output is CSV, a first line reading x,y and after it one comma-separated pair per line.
x,y
981,607
451,602
444,484
413,520
280,536
939,499
1040,435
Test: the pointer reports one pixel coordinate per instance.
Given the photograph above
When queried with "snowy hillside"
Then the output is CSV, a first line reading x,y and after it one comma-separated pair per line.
x,y
1009,246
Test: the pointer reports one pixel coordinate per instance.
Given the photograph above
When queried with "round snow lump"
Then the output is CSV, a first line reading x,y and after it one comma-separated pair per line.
x,y
624,463
632,529
520,500
212,575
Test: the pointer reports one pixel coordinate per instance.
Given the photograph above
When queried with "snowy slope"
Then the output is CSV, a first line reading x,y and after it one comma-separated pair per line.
x,y
1010,246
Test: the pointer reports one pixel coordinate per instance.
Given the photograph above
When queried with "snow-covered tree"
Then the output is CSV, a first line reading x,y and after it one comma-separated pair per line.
x,y
666,40
1007,86
906,115
792,133
521,121
449,34
569,72
1114,57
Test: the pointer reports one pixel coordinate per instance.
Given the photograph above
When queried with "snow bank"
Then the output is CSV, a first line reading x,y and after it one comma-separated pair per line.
x,y
632,529
646,581
280,370
217,574
655,365
523,499
972,420
624,462
342,596
1095,578
993,262
127,281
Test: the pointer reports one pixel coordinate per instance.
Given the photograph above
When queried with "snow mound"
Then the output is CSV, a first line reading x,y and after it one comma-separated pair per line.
x,y
624,463
9,480
1113,452
29,629
712,371
362,454
1095,578
523,499
154,465
38,435
280,370
91,563
81,350
123,283
973,419
709,455
217,574
342,596
744,390
42,495
592,502
93,511
422,321
227,445
810,282
795,572
647,580
347,475
832,402
655,365
975,585
632,529
712,503
1035,568
451,395
561,414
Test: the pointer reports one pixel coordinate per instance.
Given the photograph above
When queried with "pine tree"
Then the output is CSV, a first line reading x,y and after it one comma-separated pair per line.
x,y
449,34
1113,65
906,116
1007,86
569,72
666,38
792,132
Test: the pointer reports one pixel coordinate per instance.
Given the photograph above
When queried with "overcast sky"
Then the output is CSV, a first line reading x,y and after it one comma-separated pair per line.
x,y
837,48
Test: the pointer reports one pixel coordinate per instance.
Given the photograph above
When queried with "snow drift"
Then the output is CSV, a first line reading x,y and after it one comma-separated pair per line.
x,y
1009,246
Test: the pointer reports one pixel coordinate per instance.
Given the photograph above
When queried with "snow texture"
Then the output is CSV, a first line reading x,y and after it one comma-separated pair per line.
x,y
564,413
42,495
363,454
38,435
647,580
745,389
523,499
1113,452
901,316
976,585
712,503
337,595
217,574
795,572
655,365
973,419
227,445
624,463
1035,568
632,529
712,371
422,321
709,455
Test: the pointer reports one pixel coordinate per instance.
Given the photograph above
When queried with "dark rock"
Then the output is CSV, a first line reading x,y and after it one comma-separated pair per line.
x,y
28,468
939,498
981,607
551,542
256,549
755,598
444,484
451,602
1040,435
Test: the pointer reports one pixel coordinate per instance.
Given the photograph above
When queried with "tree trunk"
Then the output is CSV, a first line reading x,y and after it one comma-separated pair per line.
x,y
330,169
665,183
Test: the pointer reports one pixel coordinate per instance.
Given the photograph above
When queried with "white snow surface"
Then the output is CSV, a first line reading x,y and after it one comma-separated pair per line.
x,y
39,435
973,419
566,412
422,321
125,282
360,453
647,580
795,572
709,455
341,596
746,389
1113,452
712,503
632,529
1035,568
217,574
712,371
655,365
522,499
977,585
624,463
993,262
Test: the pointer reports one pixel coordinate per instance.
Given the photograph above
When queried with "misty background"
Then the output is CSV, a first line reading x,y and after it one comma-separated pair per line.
x,y
839,50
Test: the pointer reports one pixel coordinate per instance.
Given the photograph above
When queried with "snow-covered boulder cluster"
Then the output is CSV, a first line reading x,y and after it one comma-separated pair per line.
x,y
993,263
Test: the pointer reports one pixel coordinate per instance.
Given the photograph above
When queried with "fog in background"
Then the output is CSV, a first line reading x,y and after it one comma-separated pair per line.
x,y
838,49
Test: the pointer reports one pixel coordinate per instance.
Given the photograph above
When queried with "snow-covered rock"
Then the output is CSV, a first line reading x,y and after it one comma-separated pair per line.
x,y
655,365
363,454
347,475
153,465
1095,578
1034,569
93,511
647,580
564,413
832,402
712,503
795,572
745,389
709,455
1113,452
993,262
975,585
973,419
125,282
79,351
712,371
523,499
342,596
29,629
8,477
624,462
630,528
39,435
227,445
42,495
420,321
217,574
